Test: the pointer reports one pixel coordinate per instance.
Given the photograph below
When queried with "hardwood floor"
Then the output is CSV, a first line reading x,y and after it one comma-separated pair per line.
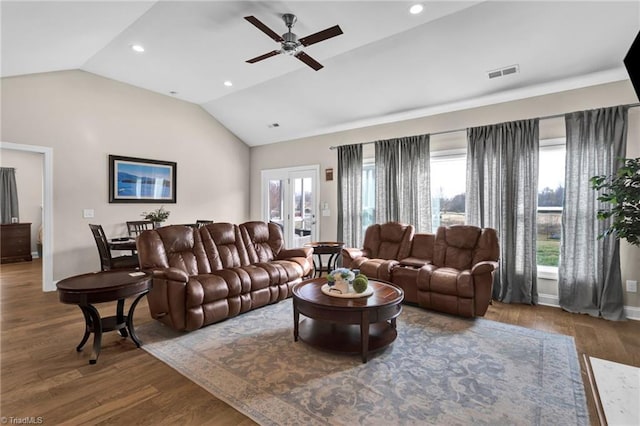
x,y
43,376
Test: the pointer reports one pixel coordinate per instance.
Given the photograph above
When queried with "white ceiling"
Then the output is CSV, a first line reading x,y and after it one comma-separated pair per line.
x,y
387,66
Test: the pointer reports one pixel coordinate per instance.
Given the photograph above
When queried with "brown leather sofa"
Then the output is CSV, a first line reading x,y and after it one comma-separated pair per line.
x,y
205,275
451,271
384,246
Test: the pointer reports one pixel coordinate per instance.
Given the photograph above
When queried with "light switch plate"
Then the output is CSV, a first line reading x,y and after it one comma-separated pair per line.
x,y
88,213
632,286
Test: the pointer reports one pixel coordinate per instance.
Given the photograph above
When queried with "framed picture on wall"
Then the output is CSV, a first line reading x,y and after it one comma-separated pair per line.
x,y
138,180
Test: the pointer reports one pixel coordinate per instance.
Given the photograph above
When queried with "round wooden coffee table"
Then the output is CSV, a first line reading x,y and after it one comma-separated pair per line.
x,y
358,325
106,286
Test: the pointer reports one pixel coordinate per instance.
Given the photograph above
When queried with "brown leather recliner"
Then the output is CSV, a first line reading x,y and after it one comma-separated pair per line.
x,y
460,278
384,246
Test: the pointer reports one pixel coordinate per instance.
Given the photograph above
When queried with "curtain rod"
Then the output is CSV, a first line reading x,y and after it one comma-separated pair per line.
x,y
442,132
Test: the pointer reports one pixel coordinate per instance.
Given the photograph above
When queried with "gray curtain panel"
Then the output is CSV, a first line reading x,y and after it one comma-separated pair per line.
x,y
415,198
502,190
402,181
387,180
589,278
350,195
8,194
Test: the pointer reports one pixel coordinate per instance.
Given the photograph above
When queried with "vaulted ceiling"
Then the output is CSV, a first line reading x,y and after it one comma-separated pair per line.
x,y
388,65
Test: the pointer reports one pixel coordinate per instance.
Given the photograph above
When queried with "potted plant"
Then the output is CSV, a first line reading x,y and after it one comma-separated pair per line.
x,y
156,216
622,191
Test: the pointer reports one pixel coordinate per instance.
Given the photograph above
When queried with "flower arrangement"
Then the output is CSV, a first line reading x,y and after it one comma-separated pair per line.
x,y
340,274
345,281
339,280
157,215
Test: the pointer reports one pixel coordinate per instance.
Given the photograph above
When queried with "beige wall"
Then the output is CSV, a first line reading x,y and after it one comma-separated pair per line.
x,y
84,118
315,150
28,167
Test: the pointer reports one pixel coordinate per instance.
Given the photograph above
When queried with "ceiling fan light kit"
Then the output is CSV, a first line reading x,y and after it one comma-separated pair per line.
x,y
289,42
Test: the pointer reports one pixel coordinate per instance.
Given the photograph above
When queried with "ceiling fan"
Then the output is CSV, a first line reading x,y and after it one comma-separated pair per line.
x,y
291,45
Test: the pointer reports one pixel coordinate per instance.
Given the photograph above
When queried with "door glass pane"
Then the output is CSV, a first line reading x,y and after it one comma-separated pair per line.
x,y
276,201
307,212
303,212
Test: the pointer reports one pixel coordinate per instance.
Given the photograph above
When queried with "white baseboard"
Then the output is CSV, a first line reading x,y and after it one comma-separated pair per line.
x,y
548,300
631,312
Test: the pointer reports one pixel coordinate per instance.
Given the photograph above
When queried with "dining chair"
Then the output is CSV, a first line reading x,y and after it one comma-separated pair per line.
x,y
135,227
108,262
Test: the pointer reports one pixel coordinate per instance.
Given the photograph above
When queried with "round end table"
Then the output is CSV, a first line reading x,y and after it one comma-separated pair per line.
x,y
105,286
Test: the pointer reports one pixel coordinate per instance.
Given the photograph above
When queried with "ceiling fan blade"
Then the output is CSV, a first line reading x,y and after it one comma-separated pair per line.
x,y
265,56
309,61
262,27
321,35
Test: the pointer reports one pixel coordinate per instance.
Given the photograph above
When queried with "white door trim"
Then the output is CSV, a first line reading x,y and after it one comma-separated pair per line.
x,y
47,208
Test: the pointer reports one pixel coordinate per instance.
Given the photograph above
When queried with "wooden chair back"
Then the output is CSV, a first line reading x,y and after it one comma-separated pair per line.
x,y
103,246
135,227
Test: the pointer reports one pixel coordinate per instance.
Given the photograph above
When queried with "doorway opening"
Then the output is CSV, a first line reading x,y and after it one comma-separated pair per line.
x,y
47,208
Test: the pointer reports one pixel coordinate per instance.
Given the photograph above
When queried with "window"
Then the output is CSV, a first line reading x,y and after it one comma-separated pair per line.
x,y
551,169
368,194
448,187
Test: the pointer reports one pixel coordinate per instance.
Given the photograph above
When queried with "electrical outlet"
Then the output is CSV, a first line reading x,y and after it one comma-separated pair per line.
x,y
88,213
632,286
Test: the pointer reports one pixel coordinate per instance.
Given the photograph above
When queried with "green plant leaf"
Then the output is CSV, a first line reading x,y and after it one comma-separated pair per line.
x,y
621,192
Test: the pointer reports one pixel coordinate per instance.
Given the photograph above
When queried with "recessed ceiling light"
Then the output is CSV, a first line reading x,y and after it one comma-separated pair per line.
x,y
415,9
137,48
228,83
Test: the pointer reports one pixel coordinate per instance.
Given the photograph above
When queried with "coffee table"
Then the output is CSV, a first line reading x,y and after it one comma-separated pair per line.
x,y
106,286
348,325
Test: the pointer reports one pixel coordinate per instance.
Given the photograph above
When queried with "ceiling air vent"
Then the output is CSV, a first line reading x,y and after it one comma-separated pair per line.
x,y
511,69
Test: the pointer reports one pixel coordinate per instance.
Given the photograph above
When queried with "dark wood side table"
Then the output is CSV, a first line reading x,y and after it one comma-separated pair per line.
x,y
358,325
332,248
15,242
106,286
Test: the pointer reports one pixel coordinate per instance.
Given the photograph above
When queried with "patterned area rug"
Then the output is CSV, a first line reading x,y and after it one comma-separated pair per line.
x,y
440,370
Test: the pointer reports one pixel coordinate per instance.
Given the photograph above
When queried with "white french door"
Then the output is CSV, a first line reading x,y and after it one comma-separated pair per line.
x,y
290,199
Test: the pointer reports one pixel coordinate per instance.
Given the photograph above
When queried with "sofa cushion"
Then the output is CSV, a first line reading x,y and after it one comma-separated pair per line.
x,y
455,246
173,246
224,246
261,245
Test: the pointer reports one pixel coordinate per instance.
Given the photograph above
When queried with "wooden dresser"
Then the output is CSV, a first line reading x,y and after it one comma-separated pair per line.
x,y
15,242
